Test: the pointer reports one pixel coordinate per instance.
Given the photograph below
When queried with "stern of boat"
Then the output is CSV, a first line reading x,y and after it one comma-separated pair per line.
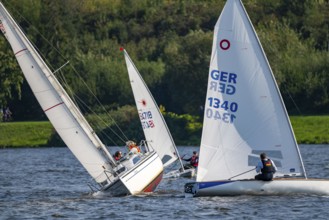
x,y
145,176
138,173
190,189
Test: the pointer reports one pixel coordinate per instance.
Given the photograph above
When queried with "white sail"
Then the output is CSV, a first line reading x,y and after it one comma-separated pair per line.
x,y
244,111
59,108
154,126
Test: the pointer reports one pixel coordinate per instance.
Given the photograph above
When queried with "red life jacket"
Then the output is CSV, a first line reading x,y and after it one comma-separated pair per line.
x,y
134,146
194,161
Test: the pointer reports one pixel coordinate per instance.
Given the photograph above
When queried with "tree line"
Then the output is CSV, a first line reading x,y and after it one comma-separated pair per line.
x,y
170,43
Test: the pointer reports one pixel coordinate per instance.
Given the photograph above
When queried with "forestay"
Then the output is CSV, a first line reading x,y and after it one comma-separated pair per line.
x,y
154,126
244,111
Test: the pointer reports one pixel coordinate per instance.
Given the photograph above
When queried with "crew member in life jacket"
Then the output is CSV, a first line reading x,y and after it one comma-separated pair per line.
x,y
117,155
267,168
133,147
194,161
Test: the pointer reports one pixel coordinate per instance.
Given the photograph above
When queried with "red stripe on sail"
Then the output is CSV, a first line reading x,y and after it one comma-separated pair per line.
x,y
20,51
53,106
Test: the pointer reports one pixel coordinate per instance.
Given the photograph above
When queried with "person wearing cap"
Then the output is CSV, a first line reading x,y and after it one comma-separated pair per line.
x,y
194,161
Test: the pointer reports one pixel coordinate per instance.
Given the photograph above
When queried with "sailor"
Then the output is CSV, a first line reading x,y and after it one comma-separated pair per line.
x,y
266,168
133,147
194,161
117,155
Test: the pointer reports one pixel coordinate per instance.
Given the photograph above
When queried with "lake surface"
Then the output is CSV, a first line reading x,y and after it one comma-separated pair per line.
x,y
49,183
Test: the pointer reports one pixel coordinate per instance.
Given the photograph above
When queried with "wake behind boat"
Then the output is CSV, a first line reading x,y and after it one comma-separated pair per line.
x,y
245,116
137,173
155,129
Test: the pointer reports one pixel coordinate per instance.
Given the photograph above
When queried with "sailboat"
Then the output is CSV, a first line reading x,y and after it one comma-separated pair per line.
x,y
154,126
245,116
135,174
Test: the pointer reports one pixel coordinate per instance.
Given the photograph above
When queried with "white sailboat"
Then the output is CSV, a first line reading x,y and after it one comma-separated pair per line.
x,y
154,126
136,174
245,116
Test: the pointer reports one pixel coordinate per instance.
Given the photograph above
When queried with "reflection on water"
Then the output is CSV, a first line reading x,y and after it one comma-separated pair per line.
x,y
49,183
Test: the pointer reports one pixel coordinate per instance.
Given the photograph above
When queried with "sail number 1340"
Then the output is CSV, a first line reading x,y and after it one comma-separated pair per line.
x,y
215,103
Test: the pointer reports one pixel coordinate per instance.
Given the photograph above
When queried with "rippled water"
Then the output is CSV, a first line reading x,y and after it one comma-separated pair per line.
x,y
49,183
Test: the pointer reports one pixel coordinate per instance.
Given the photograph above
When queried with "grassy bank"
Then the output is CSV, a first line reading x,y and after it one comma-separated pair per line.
x,y
311,129
22,134
308,130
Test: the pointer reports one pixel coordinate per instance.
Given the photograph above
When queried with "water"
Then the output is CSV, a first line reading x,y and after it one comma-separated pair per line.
x,y
49,183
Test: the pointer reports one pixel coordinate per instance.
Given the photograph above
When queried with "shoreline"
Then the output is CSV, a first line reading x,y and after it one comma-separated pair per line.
x,y
30,134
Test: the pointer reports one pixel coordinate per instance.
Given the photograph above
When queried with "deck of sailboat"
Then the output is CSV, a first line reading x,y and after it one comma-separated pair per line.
x,y
274,179
278,186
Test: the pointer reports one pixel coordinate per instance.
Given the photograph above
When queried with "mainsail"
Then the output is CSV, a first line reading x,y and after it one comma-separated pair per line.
x,y
57,105
244,112
154,126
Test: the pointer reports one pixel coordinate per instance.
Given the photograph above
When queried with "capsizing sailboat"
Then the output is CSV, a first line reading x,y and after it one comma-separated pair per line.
x,y
155,129
135,174
245,116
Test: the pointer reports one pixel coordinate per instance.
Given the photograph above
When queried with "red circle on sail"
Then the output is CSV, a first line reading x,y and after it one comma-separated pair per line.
x,y
224,44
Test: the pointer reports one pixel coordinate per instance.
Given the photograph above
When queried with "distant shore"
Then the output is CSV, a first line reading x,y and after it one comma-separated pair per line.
x,y
308,130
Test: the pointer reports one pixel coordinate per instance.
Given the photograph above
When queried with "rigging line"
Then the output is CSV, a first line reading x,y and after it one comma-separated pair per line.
x,y
42,36
103,121
62,56
61,67
242,173
75,98
35,29
98,101
293,101
76,72
67,88
75,9
107,136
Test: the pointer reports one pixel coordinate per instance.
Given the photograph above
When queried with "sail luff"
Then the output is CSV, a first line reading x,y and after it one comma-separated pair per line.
x,y
159,135
59,108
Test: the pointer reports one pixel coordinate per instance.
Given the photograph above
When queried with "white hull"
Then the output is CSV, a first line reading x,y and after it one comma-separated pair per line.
x,y
284,186
189,173
143,177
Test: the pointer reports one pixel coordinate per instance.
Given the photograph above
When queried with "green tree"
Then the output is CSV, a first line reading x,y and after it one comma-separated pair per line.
x,y
10,77
187,71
